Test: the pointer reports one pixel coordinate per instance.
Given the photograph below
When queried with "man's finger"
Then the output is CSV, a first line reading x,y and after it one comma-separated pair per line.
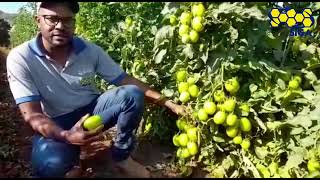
x,y
83,118
95,131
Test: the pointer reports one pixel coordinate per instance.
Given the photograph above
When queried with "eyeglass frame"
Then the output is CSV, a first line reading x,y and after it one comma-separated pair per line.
x,y
60,19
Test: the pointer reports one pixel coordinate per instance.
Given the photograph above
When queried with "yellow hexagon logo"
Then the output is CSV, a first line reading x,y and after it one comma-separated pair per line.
x,y
283,18
307,12
291,13
275,22
307,22
275,13
299,17
291,22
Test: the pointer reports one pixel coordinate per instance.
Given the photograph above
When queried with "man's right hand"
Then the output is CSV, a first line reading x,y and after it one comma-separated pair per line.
x,y
78,136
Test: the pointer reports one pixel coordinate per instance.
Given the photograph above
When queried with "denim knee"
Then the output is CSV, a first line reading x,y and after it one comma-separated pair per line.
x,y
133,91
51,158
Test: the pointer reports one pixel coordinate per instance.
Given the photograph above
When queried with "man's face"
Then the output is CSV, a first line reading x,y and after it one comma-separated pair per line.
x,y
56,24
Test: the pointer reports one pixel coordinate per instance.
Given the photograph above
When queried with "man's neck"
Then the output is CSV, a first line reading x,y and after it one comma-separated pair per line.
x,y
59,54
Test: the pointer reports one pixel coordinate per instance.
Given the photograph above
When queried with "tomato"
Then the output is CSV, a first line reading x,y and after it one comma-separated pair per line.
x,y
220,107
219,117
192,148
245,124
184,97
198,10
229,105
183,87
232,85
185,38
181,123
184,29
192,134
313,165
92,122
202,115
297,78
194,36
181,75
209,107
245,107
193,90
173,20
191,81
128,21
185,153
175,140
273,168
293,84
179,151
232,119
183,139
264,171
219,96
197,24
284,173
287,94
245,144
232,131
185,18
237,139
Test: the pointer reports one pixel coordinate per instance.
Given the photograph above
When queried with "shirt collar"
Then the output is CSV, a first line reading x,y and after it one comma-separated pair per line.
x,y
34,44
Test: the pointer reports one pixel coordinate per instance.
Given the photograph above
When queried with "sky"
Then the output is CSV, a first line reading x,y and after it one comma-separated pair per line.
x,y
11,7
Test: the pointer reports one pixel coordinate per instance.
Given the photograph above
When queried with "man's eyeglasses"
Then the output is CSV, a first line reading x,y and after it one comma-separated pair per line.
x,y
51,20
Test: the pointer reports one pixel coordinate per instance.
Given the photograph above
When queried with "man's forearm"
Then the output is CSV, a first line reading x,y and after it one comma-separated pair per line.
x,y
150,94
46,127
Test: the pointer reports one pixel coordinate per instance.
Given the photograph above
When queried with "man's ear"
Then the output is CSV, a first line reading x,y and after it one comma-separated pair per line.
x,y
37,19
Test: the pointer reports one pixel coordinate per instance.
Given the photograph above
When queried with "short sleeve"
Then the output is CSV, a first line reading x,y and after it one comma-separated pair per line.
x,y
108,68
20,81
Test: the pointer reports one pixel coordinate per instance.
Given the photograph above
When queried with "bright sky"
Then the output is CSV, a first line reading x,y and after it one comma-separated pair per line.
x,y
11,7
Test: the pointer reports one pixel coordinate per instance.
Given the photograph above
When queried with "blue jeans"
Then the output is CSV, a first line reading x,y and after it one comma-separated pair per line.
x,y
122,106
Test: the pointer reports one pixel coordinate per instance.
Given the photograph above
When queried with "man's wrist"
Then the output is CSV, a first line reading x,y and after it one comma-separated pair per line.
x,y
63,135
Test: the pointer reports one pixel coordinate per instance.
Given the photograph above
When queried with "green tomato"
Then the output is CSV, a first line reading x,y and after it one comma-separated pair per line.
x,y
185,38
297,78
245,124
232,131
193,90
219,96
92,122
194,36
184,29
237,139
313,165
229,105
184,97
179,151
191,81
245,144
183,87
293,84
273,168
220,107
219,117
181,75
202,115
198,10
181,123
185,153
192,148
128,21
232,120
185,18
192,134
197,24
183,139
245,107
232,85
173,20
175,140
209,107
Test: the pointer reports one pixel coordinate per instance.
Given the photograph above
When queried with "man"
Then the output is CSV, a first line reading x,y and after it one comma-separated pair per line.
x,y
44,76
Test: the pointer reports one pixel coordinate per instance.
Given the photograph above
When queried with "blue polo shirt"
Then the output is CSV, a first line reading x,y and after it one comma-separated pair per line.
x,y
34,76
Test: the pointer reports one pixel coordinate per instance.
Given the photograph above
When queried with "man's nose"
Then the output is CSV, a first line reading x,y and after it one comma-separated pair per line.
x,y
60,25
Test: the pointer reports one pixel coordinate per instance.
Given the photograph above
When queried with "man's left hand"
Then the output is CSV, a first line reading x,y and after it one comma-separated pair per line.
x,y
178,109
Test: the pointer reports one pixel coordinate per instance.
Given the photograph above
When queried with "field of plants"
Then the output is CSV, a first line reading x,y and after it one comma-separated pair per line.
x,y
252,92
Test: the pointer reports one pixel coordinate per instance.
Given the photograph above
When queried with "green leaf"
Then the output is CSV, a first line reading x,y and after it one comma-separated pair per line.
x,y
307,141
188,51
168,92
295,159
253,88
281,84
261,152
158,58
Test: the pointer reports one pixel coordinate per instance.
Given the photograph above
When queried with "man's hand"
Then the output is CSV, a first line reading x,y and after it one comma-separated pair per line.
x,y
78,136
177,109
